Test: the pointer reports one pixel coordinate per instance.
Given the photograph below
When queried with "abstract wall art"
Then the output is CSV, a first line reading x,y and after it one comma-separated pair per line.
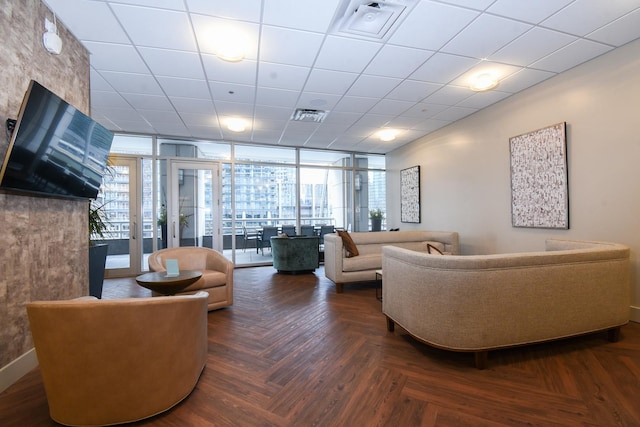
x,y
539,178
410,194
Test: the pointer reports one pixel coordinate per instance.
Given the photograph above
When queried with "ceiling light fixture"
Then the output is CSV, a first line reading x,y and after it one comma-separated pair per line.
x,y
236,125
483,82
231,45
387,135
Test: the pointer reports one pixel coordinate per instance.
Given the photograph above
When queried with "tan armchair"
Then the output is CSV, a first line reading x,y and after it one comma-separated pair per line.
x,y
217,272
117,361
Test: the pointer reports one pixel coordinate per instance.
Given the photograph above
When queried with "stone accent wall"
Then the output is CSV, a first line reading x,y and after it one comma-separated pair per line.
x,y
43,241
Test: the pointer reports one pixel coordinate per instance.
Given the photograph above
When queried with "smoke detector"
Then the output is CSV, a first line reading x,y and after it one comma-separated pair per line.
x,y
308,115
370,19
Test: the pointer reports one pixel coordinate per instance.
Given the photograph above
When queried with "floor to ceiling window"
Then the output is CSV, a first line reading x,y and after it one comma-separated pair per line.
x,y
223,195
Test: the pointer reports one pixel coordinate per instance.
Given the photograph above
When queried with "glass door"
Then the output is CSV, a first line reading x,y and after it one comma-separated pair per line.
x,y
193,205
121,205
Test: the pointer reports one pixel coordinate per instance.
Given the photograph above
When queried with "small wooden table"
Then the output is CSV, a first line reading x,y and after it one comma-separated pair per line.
x,y
159,282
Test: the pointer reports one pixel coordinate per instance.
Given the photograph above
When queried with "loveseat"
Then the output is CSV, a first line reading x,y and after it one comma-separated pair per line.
x,y
342,268
477,303
216,269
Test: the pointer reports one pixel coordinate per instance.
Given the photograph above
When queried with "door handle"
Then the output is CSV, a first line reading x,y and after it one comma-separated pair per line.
x,y
173,228
135,230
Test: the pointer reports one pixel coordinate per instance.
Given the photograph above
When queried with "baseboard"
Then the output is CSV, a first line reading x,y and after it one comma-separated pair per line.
x,y
635,314
17,369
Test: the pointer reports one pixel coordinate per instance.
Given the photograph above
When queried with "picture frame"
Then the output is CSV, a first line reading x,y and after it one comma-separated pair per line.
x,y
410,195
540,179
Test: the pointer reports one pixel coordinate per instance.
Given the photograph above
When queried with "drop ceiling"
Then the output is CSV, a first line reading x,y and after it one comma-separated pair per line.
x,y
154,69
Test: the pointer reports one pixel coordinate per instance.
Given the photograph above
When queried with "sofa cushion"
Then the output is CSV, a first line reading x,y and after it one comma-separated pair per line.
x,y
433,250
349,245
363,262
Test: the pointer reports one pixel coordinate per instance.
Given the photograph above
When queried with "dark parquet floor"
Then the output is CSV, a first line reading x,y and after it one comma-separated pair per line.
x,y
292,352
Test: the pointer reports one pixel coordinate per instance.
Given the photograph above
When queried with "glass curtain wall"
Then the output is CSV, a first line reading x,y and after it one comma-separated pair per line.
x,y
262,186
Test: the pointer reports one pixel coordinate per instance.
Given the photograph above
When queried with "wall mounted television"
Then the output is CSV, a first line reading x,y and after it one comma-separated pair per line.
x,y
55,150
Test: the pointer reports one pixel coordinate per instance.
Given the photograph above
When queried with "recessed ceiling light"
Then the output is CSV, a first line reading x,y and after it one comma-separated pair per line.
x,y
235,124
230,44
483,82
387,134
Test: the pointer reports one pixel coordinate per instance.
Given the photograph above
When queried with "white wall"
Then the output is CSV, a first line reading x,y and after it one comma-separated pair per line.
x,y
465,176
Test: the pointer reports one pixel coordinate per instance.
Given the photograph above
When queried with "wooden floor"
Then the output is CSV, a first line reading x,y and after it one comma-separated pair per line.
x,y
292,352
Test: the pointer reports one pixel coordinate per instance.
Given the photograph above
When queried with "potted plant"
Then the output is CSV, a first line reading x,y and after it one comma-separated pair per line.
x,y
98,250
162,222
376,216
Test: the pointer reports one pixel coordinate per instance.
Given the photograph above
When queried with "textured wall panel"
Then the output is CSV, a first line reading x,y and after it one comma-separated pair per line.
x,y
43,241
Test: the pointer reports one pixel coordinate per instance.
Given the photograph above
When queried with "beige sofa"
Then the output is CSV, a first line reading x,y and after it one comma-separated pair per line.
x,y
216,269
108,362
341,269
484,302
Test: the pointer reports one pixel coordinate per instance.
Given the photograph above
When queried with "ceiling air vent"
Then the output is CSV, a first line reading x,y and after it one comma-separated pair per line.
x,y
308,115
370,19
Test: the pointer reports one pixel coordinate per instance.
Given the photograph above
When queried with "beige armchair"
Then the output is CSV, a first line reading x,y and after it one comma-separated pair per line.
x,y
117,361
217,272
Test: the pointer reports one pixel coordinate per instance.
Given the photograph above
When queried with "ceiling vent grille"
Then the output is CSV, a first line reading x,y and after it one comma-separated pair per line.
x,y
368,19
308,115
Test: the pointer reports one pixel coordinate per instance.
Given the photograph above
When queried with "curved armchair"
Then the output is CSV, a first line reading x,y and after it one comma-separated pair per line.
x,y
117,361
217,272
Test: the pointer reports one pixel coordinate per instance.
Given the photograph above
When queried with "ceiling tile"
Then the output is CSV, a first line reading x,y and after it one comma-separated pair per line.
x,y
431,25
523,79
264,112
483,99
150,27
325,81
234,109
473,4
97,82
528,11
345,54
531,46
148,102
132,83
424,110
396,61
373,86
89,20
391,107
232,92
299,14
358,104
302,46
443,68
498,70
455,113
413,90
187,88
245,10
484,36
322,101
276,97
243,72
374,120
449,95
191,105
115,57
619,32
571,55
110,99
281,76
584,16
173,63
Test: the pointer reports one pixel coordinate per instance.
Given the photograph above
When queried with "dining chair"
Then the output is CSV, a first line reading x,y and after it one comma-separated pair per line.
x,y
264,240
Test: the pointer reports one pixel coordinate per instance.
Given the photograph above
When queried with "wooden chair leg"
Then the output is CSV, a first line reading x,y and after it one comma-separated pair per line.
x,y
391,325
613,334
481,359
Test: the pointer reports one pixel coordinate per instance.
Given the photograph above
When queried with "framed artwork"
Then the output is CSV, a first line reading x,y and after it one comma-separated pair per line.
x,y
539,178
410,194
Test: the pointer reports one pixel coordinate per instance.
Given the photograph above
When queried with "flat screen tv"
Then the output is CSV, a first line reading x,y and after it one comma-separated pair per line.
x,y
55,150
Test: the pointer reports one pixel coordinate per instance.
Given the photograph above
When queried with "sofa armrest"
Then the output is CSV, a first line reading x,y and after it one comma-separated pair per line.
x,y
333,257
